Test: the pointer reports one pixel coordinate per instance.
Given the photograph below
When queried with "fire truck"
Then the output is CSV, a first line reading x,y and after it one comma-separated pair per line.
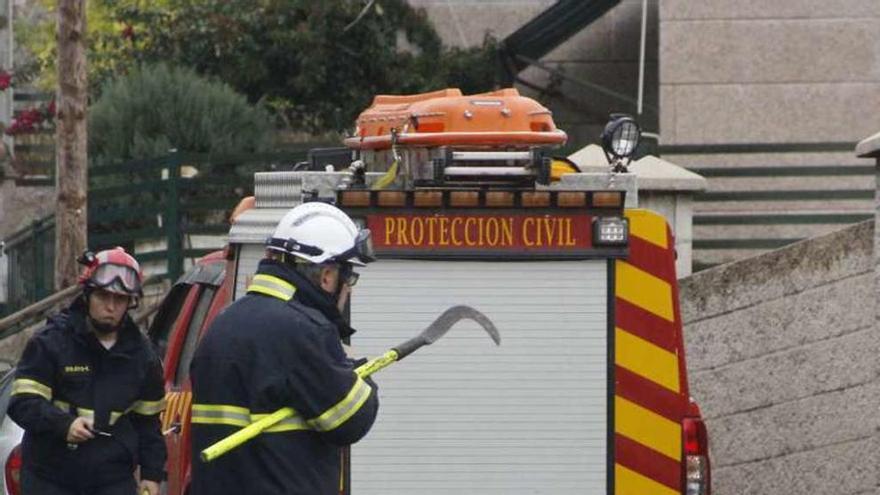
x,y
587,392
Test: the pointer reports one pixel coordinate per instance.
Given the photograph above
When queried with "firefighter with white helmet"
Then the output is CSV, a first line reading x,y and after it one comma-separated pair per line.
x,y
280,346
89,389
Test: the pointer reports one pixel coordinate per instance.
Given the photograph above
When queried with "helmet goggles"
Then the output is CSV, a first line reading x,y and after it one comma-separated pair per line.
x,y
361,253
116,278
362,249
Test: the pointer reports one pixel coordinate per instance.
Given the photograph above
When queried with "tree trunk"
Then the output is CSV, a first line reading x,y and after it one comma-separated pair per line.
x,y
71,182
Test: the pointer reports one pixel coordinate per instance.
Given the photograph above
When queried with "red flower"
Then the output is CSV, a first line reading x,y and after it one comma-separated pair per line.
x,y
29,120
5,80
19,127
128,32
30,116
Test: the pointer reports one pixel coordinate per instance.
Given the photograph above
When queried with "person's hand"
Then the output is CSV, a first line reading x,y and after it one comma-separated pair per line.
x,y
80,430
147,487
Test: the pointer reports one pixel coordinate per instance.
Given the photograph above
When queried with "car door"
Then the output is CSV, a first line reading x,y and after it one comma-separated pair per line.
x,y
175,332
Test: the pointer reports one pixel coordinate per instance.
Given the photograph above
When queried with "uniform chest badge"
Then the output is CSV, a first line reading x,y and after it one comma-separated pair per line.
x,y
77,369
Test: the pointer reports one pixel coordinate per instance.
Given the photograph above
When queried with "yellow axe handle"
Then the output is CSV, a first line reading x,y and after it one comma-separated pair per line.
x,y
257,427
377,364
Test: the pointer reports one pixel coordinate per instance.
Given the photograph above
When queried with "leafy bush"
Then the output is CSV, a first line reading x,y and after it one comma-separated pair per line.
x,y
157,107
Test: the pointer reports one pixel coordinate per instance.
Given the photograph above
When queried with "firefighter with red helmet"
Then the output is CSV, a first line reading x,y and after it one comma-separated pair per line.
x,y
88,391
279,346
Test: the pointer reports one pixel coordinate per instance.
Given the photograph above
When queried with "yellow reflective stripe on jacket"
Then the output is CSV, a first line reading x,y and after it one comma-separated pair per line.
x,y
148,407
272,286
293,423
86,413
155,406
90,414
212,414
26,386
338,414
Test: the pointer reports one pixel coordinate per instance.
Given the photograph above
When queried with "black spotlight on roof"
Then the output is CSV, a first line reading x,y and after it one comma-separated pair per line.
x,y
620,138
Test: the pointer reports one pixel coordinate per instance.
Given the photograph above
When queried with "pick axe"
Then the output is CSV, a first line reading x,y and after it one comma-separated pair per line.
x,y
435,330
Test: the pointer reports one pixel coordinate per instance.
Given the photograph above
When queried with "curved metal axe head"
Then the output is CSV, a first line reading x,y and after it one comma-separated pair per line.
x,y
455,314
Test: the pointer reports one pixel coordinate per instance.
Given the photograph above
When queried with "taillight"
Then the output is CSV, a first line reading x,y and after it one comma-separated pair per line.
x,y
13,471
697,476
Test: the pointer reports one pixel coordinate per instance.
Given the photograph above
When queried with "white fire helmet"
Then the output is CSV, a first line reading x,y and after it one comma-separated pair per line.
x,y
321,233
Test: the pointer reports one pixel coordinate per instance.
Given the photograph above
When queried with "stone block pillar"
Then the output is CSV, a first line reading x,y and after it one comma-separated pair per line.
x,y
663,187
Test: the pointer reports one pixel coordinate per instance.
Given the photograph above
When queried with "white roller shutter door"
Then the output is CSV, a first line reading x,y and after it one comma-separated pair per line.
x,y
463,417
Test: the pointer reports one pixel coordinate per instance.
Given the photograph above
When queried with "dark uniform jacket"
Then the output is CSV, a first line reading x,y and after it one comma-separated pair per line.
x,y
264,352
65,372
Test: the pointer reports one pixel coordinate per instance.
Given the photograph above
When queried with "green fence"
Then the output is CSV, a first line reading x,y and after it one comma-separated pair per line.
x,y
164,200
30,255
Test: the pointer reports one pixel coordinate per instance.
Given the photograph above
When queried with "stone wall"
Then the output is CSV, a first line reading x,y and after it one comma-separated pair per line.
x,y
782,357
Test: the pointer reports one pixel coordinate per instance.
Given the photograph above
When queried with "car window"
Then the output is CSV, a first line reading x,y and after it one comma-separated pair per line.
x,y
192,334
167,317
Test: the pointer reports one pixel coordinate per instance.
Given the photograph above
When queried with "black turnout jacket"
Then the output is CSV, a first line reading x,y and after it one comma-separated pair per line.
x,y
65,372
266,351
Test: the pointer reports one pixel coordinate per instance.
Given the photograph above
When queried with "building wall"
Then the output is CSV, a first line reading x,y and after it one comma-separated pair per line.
x,y
754,71
782,358
782,72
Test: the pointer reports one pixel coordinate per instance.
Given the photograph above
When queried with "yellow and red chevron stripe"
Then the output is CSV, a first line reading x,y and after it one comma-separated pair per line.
x,y
650,390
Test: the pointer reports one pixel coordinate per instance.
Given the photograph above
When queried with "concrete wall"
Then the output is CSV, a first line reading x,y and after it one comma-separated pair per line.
x,y
757,71
782,357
